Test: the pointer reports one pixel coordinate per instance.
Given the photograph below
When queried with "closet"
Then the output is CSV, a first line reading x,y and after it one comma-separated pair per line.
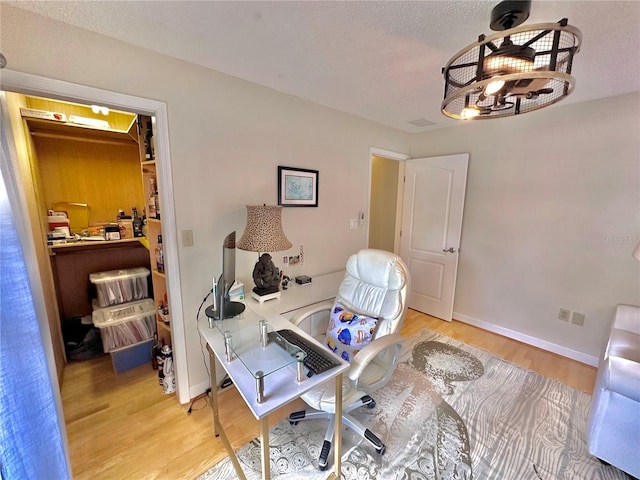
x,y
95,165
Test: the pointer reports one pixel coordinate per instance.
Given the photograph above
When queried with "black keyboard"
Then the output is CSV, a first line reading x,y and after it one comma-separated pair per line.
x,y
318,359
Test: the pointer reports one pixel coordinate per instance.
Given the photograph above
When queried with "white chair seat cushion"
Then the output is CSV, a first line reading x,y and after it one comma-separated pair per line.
x,y
323,396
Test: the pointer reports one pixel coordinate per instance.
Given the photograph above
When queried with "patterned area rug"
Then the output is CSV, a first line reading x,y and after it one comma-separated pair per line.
x,y
450,412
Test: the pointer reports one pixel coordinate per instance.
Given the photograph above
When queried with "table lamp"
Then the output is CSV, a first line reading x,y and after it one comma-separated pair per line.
x,y
264,233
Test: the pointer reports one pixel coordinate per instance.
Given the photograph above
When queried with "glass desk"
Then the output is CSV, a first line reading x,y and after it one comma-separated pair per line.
x,y
243,356
256,348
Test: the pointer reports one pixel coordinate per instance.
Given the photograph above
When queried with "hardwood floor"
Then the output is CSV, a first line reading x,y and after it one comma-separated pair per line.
x,y
123,427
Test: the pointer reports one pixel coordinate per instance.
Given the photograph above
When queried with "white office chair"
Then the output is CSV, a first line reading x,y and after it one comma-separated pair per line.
x,y
375,285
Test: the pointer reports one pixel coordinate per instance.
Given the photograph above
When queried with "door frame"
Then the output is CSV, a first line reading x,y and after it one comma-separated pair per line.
x,y
28,84
400,157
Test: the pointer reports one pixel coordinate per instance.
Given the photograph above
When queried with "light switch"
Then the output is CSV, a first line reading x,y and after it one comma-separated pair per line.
x,y
187,238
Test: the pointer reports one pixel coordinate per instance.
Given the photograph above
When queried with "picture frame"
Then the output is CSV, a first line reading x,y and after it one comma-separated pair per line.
x,y
297,187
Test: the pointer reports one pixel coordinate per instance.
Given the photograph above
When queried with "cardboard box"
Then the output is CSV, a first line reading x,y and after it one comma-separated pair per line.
x,y
126,228
33,113
236,293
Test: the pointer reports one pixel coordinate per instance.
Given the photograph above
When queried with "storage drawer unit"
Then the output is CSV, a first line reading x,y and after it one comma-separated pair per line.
x,y
125,324
120,286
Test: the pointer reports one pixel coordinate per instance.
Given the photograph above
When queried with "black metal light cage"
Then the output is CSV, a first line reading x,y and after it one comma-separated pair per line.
x,y
547,81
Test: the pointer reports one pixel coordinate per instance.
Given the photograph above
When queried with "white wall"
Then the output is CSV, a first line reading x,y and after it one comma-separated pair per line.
x,y
227,138
552,202
551,217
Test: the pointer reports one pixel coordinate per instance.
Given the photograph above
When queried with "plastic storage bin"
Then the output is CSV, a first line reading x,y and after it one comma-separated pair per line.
x,y
120,286
131,356
126,324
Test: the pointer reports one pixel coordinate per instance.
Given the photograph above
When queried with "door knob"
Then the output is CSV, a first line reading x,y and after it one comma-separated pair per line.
x,y
450,250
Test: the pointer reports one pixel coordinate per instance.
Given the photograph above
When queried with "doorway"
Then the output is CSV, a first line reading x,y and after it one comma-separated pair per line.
x,y
48,88
385,199
416,208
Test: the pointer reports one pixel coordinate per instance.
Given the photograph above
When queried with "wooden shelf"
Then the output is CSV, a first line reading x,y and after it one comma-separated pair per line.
x,y
157,273
164,326
43,127
154,228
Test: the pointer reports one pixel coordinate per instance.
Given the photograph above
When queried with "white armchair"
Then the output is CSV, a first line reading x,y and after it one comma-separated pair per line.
x,y
375,286
613,433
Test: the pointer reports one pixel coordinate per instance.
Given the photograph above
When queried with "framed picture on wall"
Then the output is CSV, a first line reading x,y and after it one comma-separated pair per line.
x,y
297,187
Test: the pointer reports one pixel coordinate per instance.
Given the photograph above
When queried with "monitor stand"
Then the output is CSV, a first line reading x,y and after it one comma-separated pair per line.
x,y
229,310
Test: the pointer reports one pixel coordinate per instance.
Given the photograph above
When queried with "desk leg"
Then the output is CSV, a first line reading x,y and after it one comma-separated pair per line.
x,y
337,435
264,441
217,428
214,391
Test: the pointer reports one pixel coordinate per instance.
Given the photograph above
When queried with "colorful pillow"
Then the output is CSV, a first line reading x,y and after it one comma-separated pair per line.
x,y
348,332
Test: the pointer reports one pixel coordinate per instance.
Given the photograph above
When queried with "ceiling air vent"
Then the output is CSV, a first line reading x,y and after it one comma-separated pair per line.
x,y
421,122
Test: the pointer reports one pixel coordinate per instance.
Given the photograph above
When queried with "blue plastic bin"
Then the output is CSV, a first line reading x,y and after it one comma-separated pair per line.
x,y
131,356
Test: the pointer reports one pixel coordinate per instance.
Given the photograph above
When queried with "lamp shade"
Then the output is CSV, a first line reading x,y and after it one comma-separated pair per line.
x,y
263,232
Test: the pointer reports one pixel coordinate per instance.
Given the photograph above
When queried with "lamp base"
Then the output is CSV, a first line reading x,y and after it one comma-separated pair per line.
x,y
264,298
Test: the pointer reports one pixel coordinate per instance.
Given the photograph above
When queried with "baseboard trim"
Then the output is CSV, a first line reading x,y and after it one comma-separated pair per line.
x,y
529,340
198,389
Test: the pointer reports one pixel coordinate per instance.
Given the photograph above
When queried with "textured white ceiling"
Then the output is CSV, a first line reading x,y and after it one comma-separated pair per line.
x,y
379,60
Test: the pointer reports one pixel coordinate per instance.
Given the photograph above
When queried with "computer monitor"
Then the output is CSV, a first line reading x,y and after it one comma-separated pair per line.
x,y
222,306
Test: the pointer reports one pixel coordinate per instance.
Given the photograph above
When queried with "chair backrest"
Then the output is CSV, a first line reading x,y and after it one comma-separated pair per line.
x,y
376,284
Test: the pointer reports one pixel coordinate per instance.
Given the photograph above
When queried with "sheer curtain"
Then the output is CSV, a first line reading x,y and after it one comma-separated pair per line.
x,y
31,441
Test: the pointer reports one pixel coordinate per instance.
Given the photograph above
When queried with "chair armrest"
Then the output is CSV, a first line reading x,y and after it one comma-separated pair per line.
x,y
627,318
623,377
389,343
305,315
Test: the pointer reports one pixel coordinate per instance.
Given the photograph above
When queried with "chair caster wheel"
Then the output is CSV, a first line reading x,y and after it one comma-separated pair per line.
x,y
368,401
323,461
295,417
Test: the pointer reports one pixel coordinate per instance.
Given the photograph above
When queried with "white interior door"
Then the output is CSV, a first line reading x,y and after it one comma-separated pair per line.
x,y
433,202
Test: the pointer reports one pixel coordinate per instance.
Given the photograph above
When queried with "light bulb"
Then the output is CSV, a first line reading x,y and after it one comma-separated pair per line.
x,y
494,87
99,109
505,64
469,112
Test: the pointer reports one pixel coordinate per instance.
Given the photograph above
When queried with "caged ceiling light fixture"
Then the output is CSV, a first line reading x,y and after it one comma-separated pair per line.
x,y
520,69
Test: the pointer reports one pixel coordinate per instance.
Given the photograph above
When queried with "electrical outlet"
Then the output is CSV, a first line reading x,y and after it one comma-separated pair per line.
x,y
564,314
578,319
187,238
353,223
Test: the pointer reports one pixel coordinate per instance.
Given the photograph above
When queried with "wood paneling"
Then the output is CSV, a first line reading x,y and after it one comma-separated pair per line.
x,y
106,176
73,264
